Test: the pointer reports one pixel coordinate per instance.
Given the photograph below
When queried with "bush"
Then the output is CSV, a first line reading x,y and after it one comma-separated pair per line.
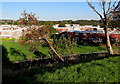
x,y
61,25
64,45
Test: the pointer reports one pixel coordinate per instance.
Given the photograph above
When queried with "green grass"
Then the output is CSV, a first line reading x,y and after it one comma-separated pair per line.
x,y
104,70
17,52
87,49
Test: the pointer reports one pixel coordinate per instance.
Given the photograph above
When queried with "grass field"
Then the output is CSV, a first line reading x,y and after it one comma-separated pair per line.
x,y
17,52
104,70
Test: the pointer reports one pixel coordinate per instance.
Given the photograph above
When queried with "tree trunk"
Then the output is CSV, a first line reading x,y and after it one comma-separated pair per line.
x,y
108,44
51,47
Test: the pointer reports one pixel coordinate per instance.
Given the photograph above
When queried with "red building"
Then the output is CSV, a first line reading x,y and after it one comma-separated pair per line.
x,y
91,37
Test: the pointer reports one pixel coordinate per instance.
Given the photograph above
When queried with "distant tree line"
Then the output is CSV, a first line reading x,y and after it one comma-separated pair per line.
x,y
81,22
112,24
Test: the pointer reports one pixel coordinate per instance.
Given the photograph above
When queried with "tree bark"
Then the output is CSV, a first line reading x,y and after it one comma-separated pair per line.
x,y
105,20
108,44
51,47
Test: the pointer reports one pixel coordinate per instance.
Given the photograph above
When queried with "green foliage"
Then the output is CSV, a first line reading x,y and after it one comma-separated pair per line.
x,y
64,46
10,23
61,25
114,24
71,24
81,22
51,29
15,23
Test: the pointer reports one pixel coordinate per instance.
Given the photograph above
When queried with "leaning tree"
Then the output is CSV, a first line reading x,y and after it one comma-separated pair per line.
x,y
107,6
35,35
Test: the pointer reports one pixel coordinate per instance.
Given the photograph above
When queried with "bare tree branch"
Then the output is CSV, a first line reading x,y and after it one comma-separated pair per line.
x,y
111,7
100,4
94,9
105,20
104,11
114,10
